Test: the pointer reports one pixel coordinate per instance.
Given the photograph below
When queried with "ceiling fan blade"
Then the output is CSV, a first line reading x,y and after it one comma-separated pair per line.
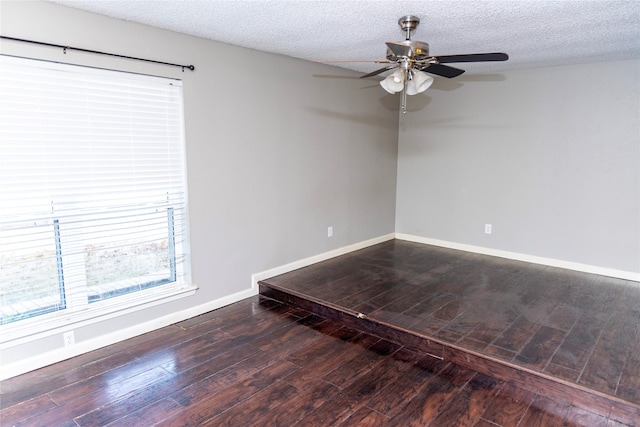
x,y
442,70
379,71
473,57
328,61
399,49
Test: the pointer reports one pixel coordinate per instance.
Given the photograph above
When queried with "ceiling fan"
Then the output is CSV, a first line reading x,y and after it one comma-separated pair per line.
x,y
411,61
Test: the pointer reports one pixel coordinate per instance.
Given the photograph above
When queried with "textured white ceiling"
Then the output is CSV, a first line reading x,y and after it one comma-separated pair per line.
x,y
533,32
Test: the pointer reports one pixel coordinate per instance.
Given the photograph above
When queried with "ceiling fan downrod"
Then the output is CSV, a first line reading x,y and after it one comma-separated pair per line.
x,y
408,24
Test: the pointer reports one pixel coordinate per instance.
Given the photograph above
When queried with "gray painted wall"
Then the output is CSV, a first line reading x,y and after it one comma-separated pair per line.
x,y
550,157
278,149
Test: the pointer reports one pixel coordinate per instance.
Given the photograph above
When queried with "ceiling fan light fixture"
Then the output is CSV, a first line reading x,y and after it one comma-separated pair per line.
x,y
394,83
419,82
410,57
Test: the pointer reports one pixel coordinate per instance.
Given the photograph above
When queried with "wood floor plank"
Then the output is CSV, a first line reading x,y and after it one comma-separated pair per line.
x,y
564,317
484,423
296,335
509,405
380,376
90,396
500,353
251,411
468,320
545,412
428,306
374,286
472,344
112,385
365,417
541,347
579,343
451,310
578,417
218,401
316,354
148,415
630,393
516,336
187,354
263,323
152,343
493,324
604,368
399,300
349,371
426,405
201,388
426,324
629,386
344,287
30,408
320,368
396,292
333,410
403,388
367,385
613,423
314,395
236,363
561,372
47,379
466,407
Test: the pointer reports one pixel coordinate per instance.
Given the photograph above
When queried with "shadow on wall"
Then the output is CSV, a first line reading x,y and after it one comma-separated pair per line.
x,y
366,119
335,76
414,103
388,101
448,85
419,102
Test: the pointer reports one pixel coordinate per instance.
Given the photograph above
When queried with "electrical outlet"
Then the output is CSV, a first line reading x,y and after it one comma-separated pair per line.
x,y
330,231
487,228
69,338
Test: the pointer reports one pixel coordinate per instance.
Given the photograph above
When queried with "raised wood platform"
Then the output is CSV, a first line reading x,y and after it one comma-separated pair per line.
x,y
564,334
260,362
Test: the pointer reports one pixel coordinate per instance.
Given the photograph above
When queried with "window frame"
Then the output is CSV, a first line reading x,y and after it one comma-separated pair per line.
x,y
88,312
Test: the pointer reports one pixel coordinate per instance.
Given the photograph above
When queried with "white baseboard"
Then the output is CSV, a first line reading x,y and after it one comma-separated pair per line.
x,y
255,278
60,354
551,262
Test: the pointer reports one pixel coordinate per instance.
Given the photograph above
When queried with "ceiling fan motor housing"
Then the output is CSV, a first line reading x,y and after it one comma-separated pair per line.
x,y
416,50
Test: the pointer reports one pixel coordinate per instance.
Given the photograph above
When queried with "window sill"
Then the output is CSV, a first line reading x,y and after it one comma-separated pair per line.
x,y
27,330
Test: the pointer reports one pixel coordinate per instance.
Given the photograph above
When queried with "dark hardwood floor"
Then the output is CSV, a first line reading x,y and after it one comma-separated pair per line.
x,y
564,330
260,362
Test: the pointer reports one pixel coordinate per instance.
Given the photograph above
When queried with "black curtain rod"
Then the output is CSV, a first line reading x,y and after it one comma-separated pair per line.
x,y
65,48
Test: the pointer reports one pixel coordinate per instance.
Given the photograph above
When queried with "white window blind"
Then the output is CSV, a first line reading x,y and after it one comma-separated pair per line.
x,y
92,187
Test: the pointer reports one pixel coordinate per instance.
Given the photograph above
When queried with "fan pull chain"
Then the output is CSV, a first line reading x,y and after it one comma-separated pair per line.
x,y
404,92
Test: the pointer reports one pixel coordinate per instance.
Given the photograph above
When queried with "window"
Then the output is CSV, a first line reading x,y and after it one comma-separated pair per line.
x,y
93,189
